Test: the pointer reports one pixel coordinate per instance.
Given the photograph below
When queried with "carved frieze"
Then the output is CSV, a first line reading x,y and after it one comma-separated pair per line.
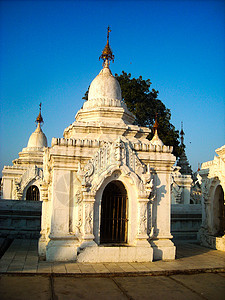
x,y
112,157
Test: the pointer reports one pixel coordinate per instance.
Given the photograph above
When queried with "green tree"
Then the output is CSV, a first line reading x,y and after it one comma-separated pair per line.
x,y
144,104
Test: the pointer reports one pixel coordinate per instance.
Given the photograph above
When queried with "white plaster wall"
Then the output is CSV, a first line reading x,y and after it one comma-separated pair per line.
x,y
7,188
162,206
60,202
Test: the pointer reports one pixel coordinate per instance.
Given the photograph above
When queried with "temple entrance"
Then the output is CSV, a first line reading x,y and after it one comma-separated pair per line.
x,y
33,193
220,203
113,228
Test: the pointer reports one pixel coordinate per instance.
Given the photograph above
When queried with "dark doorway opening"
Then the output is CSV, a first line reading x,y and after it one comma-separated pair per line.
x,y
219,200
113,228
33,193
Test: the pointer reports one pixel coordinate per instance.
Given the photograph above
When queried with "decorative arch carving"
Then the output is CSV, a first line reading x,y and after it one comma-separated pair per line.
x,y
115,161
32,174
116,157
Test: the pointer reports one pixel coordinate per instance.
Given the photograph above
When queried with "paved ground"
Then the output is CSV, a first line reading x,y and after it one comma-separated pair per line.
x,y
22,257
193,287
197,273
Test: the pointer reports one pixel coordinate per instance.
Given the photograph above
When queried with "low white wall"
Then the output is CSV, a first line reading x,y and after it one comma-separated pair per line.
x,y
186,220
20,219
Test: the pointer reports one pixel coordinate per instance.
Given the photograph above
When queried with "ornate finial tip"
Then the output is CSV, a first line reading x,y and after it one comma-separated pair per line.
x,y
182,131
39,117
108,31
156,124
107,52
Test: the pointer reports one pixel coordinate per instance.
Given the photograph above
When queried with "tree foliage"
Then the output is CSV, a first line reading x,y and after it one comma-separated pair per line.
x,y
144,104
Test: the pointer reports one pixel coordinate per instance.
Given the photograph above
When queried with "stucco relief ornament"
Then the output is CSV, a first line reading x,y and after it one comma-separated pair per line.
x,y
109,158
88,219
143,218
177,192
78,201
150,228
119,151
205,193
176,189
85,175
17,191
89,170
148,181
152,195
78,197
205,190
47,169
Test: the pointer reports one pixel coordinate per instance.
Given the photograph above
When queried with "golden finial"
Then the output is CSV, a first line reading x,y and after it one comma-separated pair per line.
x,y
39,117
108,31
107,54
156,140
156,124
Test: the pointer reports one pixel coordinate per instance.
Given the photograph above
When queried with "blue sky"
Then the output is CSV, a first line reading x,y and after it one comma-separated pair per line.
x,y
50,49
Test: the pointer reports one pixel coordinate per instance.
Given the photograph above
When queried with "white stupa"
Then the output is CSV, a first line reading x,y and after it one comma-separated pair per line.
x,y
28,168
38,138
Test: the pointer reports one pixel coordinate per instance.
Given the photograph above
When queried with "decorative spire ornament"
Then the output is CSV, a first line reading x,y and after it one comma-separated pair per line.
x,y
156,124
183,161
156,140
107,54
182,135
39,119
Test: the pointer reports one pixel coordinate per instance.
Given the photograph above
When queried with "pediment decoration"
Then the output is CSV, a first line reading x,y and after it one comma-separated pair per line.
x,y
33,173
116,157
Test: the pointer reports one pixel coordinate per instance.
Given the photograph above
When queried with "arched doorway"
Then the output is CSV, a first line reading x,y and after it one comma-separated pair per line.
x,y
113,228
33,193
219,211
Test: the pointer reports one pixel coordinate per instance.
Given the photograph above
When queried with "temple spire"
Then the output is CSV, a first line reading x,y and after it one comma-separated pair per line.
x,y
182,162
156,124
107,54
39,119
182,135
156,140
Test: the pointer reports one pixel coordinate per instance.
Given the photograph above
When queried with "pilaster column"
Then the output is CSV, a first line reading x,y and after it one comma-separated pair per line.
x,y
43,240
187,189
88,202
62,245
162,206
163,247
60,203
143,217
206,203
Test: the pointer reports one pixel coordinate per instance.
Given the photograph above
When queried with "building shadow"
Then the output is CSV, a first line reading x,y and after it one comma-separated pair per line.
x,y
189,249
